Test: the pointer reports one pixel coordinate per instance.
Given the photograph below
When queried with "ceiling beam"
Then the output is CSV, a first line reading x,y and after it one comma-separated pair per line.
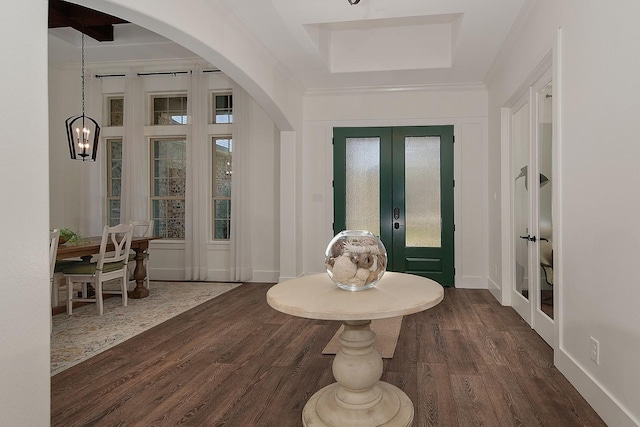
x,y
94,24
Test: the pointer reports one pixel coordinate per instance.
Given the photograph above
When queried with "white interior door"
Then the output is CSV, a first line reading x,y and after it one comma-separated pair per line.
x,y
543,311
532,227
521,207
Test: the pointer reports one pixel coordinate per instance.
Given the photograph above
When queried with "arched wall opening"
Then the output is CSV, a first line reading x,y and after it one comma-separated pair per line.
x,y
212,32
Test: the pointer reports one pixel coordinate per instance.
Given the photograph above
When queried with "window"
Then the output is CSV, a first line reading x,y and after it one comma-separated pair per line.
x,y
168,181
221,200
169,110
114,180
223,108
116,111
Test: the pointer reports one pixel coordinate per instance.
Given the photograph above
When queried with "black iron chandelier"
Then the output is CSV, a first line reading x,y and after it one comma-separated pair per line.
x,y
83,132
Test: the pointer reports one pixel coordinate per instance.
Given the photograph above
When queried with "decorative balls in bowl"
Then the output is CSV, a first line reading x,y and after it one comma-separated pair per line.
x,y
355,260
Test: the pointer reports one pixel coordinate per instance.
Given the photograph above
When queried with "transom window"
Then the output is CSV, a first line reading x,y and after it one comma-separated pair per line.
x,y
114,180
116,111
221,200
169,110
168,181
223,108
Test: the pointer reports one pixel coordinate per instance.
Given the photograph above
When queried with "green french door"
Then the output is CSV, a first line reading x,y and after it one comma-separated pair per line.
x,y
398,183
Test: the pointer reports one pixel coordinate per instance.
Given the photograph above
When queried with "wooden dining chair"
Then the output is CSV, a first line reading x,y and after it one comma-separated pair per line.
x,y
141,228
108,266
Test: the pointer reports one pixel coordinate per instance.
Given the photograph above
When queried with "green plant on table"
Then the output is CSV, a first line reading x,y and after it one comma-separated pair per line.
x,y
72,238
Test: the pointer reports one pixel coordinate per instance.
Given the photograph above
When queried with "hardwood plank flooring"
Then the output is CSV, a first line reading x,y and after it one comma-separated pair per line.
x,y
234,361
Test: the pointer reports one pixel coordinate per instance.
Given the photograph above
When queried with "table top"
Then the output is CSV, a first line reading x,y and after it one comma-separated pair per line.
x,y
93,247
317,297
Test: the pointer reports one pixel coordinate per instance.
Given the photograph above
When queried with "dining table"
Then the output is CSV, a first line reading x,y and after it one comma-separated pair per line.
x,y
91,246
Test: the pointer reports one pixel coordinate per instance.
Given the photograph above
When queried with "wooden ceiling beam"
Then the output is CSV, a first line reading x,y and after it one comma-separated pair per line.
x,y
94,24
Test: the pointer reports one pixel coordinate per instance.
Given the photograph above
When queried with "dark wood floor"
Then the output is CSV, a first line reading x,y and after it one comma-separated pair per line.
x,y
235,362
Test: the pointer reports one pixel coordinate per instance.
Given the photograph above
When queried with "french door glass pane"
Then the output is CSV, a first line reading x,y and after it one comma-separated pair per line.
x,y
423,224
363,184
521,203
545,165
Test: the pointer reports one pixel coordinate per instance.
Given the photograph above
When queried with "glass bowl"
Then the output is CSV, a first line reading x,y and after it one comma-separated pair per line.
x,y
355,260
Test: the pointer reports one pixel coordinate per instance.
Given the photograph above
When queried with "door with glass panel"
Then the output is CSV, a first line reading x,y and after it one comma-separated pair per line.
x,y
532,184
398,184
521,205
543,314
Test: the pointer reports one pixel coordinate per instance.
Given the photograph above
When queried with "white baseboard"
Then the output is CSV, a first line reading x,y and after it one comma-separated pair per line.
x,y
607,406
471,282
495,290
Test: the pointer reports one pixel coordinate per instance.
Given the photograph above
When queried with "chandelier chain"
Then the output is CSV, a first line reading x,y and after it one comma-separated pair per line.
x,y
82,76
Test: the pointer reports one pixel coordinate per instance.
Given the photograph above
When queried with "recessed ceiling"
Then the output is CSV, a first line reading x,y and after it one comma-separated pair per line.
x,y
332,44
386,44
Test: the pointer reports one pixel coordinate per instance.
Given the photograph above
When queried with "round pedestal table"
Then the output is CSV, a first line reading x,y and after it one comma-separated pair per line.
x,y
358,398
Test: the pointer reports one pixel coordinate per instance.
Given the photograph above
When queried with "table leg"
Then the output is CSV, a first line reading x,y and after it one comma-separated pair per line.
x,y
358,398
139,275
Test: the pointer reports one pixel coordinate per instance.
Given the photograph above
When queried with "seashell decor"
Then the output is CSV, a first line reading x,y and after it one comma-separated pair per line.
x,y
355,260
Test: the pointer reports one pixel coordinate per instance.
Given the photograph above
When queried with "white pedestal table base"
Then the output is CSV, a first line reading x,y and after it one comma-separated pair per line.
x,y
358,398
323,410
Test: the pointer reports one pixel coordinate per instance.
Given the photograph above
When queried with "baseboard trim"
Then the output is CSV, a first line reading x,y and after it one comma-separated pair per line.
x,y
495,290
606,405
471,282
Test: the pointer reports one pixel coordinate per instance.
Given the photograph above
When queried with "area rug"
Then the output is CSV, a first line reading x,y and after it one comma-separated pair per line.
x,y
386,330
84,334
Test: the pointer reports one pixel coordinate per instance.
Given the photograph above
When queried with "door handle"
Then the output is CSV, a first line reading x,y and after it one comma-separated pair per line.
x,y
396,213
529,238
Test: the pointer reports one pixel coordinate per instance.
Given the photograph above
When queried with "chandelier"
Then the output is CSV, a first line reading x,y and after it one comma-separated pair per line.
x,y
83,132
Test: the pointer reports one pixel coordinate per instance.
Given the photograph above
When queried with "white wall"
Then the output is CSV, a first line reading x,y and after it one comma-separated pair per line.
x,y
463,106
24,189
597,92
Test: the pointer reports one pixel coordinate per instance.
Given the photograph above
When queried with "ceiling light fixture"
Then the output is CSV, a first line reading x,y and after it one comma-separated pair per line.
x,y
352,2
82,131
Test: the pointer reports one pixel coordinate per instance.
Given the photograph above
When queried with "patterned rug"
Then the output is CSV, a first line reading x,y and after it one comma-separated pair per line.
x,y
84,334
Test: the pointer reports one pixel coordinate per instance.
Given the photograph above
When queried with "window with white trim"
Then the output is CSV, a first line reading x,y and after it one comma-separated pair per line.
x,y
222,108
114,180
222,148
115,111
169,110
168,184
